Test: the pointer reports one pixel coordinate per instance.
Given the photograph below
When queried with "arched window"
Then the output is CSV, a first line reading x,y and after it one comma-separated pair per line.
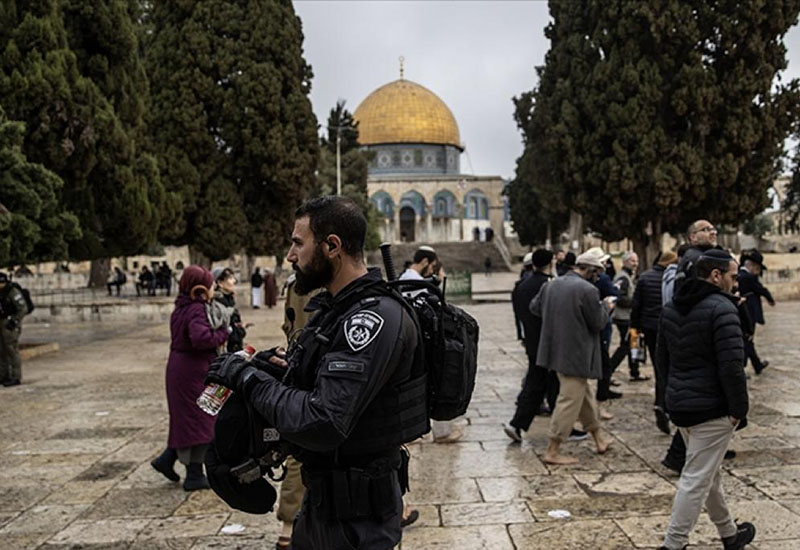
x,y
414,200
383,203
444,204
477,205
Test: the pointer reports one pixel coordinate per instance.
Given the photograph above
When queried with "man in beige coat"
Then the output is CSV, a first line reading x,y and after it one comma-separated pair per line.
x,y
572,318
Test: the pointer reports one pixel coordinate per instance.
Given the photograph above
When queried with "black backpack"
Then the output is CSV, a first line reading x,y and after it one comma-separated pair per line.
x,y
450,348
26,294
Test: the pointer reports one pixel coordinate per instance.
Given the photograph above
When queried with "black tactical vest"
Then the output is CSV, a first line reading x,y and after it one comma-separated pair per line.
x,y
399,412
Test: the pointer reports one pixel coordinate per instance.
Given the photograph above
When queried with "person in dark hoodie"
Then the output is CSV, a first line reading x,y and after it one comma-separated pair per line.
x,y
701,358
539,382
645,312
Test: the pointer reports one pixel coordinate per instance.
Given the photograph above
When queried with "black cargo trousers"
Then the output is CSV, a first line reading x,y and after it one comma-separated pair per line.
x,y
317,527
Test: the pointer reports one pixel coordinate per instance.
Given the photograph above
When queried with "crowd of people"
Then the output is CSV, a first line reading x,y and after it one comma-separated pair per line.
x,y
693,312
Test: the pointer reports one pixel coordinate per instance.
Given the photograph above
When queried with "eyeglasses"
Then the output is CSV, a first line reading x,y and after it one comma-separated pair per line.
x,y
708,229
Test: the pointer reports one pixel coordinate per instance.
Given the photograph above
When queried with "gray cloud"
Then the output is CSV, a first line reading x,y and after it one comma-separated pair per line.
x,y
474,55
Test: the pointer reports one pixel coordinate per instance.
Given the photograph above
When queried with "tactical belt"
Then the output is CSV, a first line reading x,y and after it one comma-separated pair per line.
x,y
353,493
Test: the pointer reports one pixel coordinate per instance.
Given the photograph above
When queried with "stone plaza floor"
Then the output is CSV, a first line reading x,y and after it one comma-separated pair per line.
x,y
77,437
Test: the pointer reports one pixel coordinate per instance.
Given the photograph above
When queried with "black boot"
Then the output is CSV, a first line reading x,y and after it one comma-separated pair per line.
x,y
195,479
165,463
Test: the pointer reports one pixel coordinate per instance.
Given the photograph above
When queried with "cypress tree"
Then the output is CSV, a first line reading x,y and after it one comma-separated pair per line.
x,y
232,122
32,225
536,196
121,201
666,112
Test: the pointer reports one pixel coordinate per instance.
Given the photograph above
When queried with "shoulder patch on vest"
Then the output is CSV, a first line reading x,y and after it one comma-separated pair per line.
x,y
362,328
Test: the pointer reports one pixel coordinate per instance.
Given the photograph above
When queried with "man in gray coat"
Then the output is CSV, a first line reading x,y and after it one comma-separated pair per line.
x,y
572,318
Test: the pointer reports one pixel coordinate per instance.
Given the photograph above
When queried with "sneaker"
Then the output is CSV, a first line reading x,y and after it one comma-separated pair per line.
x,y
764,365
12,382
662,420
513,433
454,435
730,455
614,394
745,533
544,410
577,435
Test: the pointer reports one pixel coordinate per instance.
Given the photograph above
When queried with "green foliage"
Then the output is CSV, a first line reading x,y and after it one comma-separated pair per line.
x,y
232,124
71,73
32,225
791,203
125,196
758,226
354,167
536,195
663,112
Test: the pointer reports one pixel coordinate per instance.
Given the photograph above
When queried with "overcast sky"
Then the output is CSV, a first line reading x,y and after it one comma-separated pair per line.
x,y
475,55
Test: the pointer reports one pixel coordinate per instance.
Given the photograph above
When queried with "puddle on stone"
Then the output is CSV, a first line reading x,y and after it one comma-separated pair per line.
x,y
105,470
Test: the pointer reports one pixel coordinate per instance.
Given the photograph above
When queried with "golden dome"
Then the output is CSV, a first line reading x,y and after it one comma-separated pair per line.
x,y
405,112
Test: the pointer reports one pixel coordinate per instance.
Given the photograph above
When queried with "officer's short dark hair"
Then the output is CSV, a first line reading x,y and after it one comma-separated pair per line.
x,y
335,215
425,253
711,260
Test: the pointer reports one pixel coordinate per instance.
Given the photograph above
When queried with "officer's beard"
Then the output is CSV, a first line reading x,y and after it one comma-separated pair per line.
x,y
318,273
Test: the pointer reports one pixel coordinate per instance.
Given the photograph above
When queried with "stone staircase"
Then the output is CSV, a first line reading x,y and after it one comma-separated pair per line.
x,y
456,256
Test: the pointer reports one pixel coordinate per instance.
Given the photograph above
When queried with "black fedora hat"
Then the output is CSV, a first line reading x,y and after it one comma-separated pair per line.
x,y
754,256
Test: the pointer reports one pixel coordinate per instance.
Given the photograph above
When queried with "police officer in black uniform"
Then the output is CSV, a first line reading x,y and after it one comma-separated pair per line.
x,y
351,395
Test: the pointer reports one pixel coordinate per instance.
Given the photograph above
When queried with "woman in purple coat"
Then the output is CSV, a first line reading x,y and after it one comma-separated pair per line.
x,y
192,349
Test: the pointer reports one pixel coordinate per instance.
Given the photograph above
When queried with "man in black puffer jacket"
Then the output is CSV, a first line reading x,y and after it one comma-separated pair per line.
x,y
701,357
645,313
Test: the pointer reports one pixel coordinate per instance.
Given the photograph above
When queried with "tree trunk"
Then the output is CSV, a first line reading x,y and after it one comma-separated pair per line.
x,y
98,273
575,231
198,258
647,245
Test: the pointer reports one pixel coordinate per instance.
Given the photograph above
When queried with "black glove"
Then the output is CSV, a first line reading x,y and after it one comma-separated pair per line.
x,y
262,363
226,370
11,324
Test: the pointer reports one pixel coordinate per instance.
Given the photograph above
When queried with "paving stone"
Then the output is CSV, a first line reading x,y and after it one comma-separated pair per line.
x,y
570,535
189,526
48,518
648,531
60,446
123,545
632,483
100,532
485,513
21,498
501,489
777,483
106,470
443,491
772,521
202,502
79,492
226,542
85,442
23,541
483,537
118,503
604,506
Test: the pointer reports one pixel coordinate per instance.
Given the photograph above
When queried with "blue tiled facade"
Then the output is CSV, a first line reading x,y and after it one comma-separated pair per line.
x,y
417,159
